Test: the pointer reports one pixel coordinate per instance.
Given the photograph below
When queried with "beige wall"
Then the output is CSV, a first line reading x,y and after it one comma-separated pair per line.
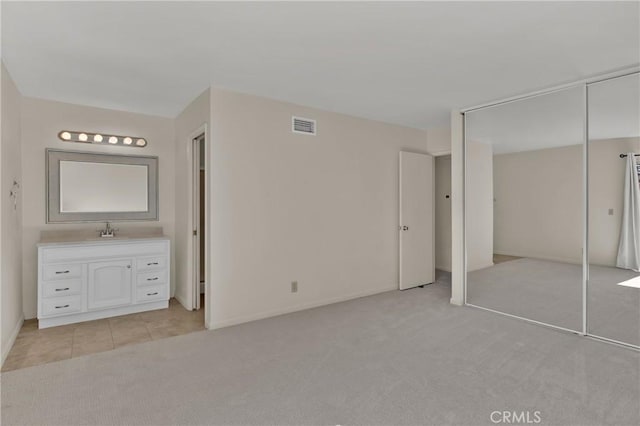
x,y
439,140
443,213
321,210
41,122
10,217
480,205
194,116
538,209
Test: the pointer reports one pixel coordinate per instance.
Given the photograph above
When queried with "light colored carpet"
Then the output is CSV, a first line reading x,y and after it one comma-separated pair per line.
x,y
397,358
551,292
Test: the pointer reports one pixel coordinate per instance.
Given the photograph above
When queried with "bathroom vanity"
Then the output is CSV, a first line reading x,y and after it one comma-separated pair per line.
x,y
89,274
82,278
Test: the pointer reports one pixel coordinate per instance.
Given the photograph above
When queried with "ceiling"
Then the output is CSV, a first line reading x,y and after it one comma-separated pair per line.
x,y
405,63
557,119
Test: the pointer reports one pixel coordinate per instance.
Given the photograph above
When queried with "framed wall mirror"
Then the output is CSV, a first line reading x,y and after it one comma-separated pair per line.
x,y
96,187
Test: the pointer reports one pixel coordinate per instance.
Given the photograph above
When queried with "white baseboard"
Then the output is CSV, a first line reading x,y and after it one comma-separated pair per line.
x,y
456,303
183,302
482,266
539,256
12,339
444,268
302,307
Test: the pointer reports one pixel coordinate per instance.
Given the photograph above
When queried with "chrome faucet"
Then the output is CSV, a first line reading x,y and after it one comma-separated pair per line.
x,y
108,232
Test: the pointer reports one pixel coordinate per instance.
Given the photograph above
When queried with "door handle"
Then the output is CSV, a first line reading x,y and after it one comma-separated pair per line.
x,y
405,228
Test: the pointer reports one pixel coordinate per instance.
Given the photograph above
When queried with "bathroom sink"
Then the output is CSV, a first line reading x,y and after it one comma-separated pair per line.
x,y
118,237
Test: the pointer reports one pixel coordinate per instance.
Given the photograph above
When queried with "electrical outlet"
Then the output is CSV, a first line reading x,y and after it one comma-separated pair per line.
x,y
294,286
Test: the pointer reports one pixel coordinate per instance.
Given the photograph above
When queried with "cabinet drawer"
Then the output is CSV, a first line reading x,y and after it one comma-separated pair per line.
x,y
60,288
61,272
151,278
61,305
150,293
151,263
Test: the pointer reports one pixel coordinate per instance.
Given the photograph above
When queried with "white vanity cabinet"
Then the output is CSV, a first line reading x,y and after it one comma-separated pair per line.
x,y
109,284
82,281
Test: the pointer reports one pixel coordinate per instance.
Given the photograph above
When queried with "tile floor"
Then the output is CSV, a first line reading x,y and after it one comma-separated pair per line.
x,y
34,346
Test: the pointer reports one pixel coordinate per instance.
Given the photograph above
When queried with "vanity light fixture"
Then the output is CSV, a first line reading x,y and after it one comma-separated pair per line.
x,y
98,138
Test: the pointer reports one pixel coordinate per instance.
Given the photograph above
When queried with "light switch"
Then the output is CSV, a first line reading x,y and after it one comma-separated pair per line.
x,y
610,212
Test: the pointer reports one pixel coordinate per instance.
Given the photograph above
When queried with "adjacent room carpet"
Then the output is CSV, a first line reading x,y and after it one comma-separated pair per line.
x,y
551,292
397,358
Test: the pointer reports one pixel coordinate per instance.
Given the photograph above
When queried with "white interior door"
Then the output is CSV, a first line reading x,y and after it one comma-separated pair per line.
x,y
417,220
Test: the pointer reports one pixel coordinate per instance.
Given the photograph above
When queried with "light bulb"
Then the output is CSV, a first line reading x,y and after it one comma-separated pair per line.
x,y
141,142
127,141
65,135
113,140
97,138
82,137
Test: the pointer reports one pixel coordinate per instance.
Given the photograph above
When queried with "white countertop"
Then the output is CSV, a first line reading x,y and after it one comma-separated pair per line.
x,y
91,236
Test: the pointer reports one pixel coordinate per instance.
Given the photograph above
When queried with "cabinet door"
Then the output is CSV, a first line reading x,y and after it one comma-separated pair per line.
x,y
109,284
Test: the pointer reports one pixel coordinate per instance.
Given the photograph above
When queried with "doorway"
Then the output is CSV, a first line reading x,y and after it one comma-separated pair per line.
x,y
199,214
443,213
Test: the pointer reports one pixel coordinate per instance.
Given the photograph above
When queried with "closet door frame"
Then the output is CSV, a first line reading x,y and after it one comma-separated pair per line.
x,y
584,85
585,296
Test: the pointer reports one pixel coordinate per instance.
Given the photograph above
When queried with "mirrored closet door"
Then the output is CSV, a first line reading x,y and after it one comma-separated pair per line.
x,y
613,292
524,200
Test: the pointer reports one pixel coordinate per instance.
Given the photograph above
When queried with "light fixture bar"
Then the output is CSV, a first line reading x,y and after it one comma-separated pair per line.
x,y
101,139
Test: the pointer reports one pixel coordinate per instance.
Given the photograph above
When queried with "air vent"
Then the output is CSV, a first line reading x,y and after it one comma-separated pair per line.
x,y
303,125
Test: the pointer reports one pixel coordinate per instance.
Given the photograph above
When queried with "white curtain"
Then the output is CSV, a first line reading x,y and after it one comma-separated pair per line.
x,y
629,248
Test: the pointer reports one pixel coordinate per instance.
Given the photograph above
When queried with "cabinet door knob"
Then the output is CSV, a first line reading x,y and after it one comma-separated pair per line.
x,y
128,266
152,294
63,272
152,279
62,306
62,289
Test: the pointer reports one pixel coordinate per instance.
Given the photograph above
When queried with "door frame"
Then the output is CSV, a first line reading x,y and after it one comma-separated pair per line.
x,y
193,273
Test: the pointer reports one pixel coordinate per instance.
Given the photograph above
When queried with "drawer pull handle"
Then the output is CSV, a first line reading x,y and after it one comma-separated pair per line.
x,y
63,306
152,279
152,263
63,272
62,289
152,294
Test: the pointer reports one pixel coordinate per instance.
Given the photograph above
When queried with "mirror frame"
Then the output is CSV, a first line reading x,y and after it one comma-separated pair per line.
x,y
54,215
